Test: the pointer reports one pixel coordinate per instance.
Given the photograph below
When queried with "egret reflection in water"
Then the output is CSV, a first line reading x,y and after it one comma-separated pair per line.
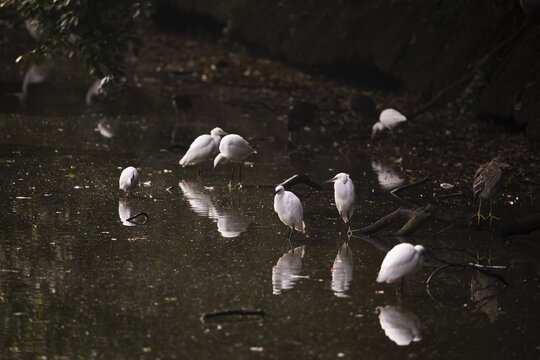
x,y
125,211
342,270
399,325
287,270
230,223
35,75
388,178
108,127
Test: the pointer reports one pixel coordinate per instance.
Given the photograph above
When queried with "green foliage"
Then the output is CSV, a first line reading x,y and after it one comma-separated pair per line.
x,y
99,32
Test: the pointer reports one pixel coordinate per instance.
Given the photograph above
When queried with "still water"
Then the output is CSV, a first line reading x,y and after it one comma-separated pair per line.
x,y
77,280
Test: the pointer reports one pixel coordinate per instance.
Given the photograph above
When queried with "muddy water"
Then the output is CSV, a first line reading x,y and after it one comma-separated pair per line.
x,y
77,280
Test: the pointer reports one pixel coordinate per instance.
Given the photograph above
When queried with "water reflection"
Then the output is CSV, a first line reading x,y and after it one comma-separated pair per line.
x,y
125,211
484,290
286,272
388,178
399,325
108,127
342,271
35,75
230,223
97,90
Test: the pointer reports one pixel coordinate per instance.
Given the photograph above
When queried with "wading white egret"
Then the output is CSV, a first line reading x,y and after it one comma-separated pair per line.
x,y
129,179
203,147
388,119
233,148
290,211
401,261
401,326
343,195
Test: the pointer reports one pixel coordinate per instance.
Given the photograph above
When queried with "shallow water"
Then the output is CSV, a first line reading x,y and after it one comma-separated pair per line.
x,y
76,282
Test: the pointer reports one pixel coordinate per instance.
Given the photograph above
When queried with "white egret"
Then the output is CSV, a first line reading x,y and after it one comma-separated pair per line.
x,y
203,147
344,196
233,148
290,211
388,119
401,261
401,326
129,179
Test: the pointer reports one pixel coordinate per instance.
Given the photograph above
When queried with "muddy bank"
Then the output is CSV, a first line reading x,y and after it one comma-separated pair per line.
x,y
421,46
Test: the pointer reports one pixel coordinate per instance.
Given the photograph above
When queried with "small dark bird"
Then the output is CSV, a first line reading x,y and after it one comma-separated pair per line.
x,y
300,115
486,183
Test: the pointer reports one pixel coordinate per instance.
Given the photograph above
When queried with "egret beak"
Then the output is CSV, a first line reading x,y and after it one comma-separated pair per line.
x,y
275,192
329,180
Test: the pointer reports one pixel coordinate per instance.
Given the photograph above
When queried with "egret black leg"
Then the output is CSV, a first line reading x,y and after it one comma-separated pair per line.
x,y
240,172
399,287
289,237
232,176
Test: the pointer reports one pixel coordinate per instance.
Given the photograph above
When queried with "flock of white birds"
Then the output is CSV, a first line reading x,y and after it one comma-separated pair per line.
x,y
399,262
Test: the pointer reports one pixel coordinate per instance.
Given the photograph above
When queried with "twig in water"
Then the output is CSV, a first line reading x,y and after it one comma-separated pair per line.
x,y
146,218
210,315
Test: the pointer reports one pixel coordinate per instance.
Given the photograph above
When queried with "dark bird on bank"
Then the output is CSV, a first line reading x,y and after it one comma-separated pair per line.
x,y
363,106
300,115
300,179
486,184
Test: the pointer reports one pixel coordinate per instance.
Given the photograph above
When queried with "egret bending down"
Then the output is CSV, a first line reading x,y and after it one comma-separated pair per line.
x,y
344,196
203,147
388,119
402,260
129,179
233,148
290,211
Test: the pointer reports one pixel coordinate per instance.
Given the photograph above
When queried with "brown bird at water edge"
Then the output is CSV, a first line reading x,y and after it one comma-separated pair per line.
x,y
486,183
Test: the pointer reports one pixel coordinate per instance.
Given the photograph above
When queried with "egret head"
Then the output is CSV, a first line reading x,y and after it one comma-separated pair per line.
x,y
378,126
218,132
341,177
419,249
279,190
220,159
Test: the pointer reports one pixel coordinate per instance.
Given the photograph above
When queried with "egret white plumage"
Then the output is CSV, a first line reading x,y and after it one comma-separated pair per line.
x,y
97,89
233,148
203,147
289,209
344,196
129,179
388,119
401,261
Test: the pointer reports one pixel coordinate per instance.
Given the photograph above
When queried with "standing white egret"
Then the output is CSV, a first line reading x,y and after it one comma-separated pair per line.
x,y
203,147
233,148
290,211
402,260
129,179
344,196
388,119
